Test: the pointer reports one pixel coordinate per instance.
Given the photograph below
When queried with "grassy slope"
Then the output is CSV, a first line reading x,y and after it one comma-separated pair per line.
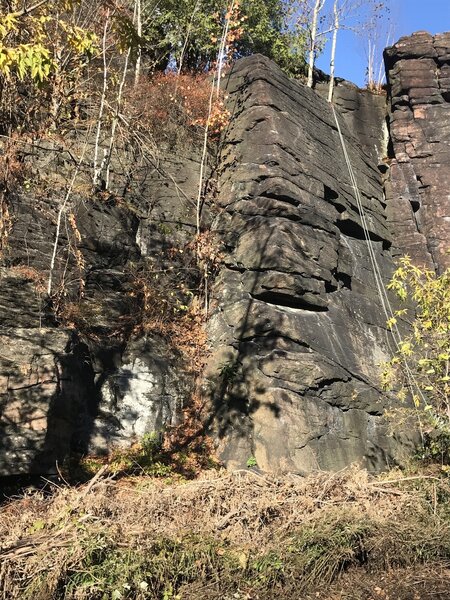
x,y
230,535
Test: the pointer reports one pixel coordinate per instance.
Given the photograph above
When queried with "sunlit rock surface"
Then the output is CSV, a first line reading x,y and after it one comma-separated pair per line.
x,y
418,69
297,325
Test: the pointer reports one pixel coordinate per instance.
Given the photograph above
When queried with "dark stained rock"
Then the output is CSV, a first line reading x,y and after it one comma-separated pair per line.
x,y
297,327
81,381
36,416
365,114
417,189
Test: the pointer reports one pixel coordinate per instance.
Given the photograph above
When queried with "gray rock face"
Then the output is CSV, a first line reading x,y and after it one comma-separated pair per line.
x,y
417,192
78,384
365,114
143,394
297,324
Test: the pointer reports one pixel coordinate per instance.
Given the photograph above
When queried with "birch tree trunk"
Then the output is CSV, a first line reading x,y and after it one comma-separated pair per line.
x,y
116,119
186,39
137,73
223,46
333,49
98,168
370,63
318,5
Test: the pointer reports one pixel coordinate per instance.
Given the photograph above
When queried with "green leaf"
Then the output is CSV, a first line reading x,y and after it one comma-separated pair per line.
x,y
37,526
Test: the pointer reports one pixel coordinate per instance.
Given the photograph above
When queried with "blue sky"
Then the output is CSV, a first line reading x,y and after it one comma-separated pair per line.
x,y
407,16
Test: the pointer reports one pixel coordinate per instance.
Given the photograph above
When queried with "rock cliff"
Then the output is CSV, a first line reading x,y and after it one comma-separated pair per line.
x,y
418,72
296,327
81,382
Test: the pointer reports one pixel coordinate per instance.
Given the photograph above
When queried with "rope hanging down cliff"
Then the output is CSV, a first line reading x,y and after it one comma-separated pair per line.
x,y
387,308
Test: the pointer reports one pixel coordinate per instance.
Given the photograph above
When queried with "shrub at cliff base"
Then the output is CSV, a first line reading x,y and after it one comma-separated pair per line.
x,y
238,535
421,365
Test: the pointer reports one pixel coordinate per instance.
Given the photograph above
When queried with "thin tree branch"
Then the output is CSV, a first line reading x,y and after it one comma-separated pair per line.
x,y
27,11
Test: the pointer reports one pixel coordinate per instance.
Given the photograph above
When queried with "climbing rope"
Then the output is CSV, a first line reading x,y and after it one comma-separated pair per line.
x,y
387,308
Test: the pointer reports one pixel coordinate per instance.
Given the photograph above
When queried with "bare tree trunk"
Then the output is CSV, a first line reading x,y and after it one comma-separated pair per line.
x,y
97,167
222,49
216,77
378,25
370,63
138,10
188,35
318,5
62,208
333,49
116,118
203,162
381,75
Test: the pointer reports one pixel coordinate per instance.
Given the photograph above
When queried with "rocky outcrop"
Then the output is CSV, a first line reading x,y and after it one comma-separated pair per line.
x,y
418,69
297,324
82,381
365,114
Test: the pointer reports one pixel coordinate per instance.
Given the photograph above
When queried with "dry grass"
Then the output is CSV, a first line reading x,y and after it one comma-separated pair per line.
x,y
420,582
228,535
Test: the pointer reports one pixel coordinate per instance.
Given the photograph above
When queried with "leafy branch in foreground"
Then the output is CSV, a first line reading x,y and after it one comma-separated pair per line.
x,y
423,356
25,46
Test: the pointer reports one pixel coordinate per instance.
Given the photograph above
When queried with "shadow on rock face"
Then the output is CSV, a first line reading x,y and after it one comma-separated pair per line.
x,y
296,325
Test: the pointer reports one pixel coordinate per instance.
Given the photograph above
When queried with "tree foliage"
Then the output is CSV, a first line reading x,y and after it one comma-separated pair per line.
x,y
189,31
46,52
269,30
43,54
422,361
34,42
